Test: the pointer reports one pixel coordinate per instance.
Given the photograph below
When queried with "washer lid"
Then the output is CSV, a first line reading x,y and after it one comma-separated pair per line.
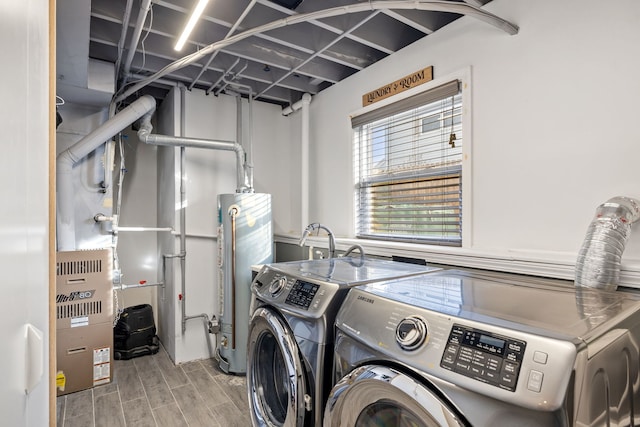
x,y
350,270
541,306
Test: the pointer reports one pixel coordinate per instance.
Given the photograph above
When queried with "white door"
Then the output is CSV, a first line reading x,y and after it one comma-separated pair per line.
x,y
24,233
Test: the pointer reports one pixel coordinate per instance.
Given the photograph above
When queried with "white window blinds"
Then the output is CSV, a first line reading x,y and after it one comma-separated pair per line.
x,y
408,163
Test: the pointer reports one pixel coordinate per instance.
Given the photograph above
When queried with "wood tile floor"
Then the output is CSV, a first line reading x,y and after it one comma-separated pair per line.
x,y
150,391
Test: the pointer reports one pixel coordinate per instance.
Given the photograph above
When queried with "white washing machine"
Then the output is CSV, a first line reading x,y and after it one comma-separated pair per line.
x,y
290,351
456,348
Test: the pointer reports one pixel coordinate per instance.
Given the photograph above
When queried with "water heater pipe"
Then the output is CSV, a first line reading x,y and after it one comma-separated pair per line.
x,y
65,220
245,140
233,212
178,141
598,264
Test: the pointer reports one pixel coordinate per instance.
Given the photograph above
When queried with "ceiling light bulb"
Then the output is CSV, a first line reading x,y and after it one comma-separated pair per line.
x,y
191,24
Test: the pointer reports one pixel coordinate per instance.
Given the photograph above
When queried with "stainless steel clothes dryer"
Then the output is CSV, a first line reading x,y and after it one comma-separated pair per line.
x,y
290,351
456,348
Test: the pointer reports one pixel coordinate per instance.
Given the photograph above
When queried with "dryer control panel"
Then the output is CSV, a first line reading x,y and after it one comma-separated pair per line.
x,y
301,294
484,356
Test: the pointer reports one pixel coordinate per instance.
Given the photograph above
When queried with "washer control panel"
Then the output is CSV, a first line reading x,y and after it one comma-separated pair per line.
x,y
411,332
301,294
484,356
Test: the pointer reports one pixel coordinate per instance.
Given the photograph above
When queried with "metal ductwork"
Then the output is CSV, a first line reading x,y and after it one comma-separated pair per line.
x,y
65,221
598,264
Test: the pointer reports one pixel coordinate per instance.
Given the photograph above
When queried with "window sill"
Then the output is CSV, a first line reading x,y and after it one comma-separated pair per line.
x,y
558,265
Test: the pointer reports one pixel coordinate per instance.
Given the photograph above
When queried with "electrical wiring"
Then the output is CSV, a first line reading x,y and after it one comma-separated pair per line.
x,y
144,53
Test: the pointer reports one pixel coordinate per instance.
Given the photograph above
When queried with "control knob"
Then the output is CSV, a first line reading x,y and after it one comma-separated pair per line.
x,y
277,285
411,332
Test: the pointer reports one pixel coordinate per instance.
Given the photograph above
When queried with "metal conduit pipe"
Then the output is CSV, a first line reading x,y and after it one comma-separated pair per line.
x,y
65,219
135,37
228,82
598,264
183,213
123,35
233,28
428,5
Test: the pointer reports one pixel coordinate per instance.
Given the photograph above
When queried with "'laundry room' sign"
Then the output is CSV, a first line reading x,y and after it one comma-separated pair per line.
x,y
412,80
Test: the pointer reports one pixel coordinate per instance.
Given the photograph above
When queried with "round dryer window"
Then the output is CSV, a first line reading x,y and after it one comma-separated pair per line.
x,y
388,414
274,372
375,395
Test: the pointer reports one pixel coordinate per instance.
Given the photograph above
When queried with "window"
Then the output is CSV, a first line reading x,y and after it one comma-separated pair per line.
x,y
408,163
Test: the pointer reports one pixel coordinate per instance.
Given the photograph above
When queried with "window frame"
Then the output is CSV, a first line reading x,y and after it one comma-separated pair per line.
x,y
464,78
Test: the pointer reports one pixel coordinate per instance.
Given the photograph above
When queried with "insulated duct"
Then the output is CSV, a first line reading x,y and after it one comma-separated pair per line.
x,y
598,264
65,220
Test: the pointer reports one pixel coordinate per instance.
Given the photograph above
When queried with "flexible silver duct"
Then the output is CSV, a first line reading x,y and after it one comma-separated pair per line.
x,y
598,264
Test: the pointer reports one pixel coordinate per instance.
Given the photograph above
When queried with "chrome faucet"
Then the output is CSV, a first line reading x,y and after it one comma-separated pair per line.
x,y
317,226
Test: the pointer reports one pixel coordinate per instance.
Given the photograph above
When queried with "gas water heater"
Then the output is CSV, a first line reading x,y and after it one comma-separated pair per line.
x,y
245,238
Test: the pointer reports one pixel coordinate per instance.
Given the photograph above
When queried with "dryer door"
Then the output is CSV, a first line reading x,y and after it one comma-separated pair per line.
x,y
381,396
276,378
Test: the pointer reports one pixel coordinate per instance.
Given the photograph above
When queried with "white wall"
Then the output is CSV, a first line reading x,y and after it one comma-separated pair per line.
x,y
552,132
137,250
24,172
168,124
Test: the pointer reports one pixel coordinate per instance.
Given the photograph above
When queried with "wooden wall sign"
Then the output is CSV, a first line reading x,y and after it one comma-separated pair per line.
x,y
412,80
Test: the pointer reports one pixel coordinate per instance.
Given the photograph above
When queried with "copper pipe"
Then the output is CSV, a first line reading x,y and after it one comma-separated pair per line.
x,y
233,212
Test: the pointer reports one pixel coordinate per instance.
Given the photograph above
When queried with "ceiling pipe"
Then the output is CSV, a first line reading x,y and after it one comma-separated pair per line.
x,y
296,105
145,6
123,35
231,31
224,73
427,5
304,172
65,220
227,82
242,174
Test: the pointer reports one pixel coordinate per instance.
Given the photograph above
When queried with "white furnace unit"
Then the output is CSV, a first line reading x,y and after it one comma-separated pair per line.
x,y
84,313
